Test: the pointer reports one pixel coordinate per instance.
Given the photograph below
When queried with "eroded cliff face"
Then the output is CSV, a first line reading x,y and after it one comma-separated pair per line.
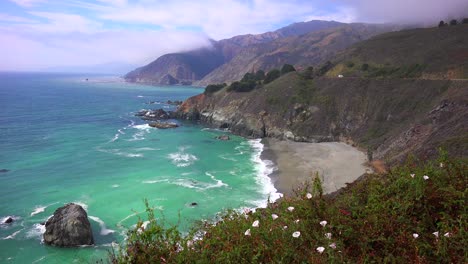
x,y
391,117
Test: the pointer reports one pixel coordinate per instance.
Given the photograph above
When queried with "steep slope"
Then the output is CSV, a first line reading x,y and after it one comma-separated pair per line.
x,y
391,117
305,50
187,67
432,53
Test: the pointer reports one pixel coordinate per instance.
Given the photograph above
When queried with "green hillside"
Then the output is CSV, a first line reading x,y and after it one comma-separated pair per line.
x,y
432,53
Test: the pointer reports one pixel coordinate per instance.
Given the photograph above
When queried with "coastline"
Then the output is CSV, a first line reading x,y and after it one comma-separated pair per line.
x,y
337,164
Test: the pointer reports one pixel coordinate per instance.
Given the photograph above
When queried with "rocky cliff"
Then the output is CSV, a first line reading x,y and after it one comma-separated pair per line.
x,y
390,117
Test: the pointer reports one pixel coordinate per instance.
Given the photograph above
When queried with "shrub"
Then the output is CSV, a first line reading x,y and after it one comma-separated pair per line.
x,y
308,73
212,88
464,21
260,75
365,67
453,22
287,68
326,67
442,23
243,86
271,76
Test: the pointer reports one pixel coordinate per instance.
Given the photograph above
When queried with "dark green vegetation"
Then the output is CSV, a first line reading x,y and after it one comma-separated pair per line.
x,y
399,217
432,53
251,81
212,88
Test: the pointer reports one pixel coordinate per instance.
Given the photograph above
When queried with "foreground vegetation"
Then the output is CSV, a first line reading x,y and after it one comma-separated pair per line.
x,y
415,213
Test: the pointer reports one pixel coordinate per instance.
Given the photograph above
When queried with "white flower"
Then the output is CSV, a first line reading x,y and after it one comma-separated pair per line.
x,y
285,227
447,234
436,234
415,235
274,216
320,250
296,221
412,175
256,223
190,243
332,245
290,208
247,233
328,235
323,223
296,234
425,177
441,165
309,196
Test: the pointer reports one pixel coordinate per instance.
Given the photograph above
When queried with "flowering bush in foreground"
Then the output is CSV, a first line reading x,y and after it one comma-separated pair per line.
x,y
396,218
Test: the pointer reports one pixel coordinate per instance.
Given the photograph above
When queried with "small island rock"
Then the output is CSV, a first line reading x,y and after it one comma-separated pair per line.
x,y
163,125
8,220
68,227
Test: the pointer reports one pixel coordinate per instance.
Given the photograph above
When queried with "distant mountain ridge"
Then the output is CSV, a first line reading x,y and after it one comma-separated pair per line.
x,y
192,66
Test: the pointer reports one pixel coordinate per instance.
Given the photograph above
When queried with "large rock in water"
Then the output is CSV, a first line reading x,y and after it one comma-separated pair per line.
x,y
68,227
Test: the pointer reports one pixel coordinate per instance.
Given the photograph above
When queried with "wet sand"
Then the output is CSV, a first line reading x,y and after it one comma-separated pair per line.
x,y
337,163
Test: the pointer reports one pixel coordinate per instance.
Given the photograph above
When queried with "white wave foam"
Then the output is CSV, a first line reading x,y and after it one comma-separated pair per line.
x,y
120,153
226,157
104,230
36,231
140,96
263,168
38,210
154,181
115,186
142,130
121,131
144,127
116,136
182,159
219,183
13,235
146,149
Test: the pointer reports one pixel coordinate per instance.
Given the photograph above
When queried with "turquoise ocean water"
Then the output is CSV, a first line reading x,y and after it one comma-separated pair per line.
x,y
64,139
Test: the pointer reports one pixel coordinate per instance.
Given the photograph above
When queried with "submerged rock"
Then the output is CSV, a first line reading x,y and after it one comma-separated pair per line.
x,y
8,220
4,170
68,227
193,204
223,137
163,125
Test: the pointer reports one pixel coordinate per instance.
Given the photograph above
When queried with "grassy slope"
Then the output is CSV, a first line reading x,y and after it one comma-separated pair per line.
x,y
373,220
428,53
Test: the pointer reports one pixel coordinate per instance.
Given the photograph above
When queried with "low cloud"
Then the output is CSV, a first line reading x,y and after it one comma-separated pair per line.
x,y
407,11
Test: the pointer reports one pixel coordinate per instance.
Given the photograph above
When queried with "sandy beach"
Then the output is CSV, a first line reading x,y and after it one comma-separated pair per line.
x,y
337,163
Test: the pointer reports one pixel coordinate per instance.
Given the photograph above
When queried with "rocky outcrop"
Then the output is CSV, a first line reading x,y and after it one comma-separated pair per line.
x,y
8,220
391,117
157,114
163,125
68,227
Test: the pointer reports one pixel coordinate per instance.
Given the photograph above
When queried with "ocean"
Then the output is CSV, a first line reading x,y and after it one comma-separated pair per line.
x,y
67,139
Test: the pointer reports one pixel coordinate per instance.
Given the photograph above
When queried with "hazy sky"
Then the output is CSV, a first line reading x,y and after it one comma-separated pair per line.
x,y
37,34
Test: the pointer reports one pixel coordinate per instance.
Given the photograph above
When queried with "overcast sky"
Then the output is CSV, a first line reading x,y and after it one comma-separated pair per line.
x,y
38,34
